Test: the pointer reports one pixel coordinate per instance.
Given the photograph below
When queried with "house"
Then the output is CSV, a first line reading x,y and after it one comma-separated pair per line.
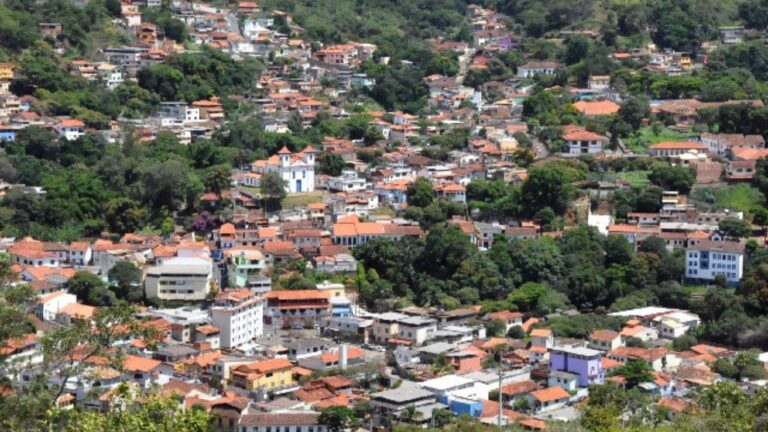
x,y
7,71
348,181
416,329
605,340
180,279
542,337
297,169
70,129
273,374
597,108
140,370
297,308
49,305
49,29
340,358
658,358
599,82
529,70
707,259
238,314
510,393
731,35
391,403
548,399
584,362
244,266
581,141
675,148
296,421
720,143
568,381
509,318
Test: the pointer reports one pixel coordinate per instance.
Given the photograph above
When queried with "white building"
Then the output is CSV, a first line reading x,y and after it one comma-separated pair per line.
x,y
178,113
297,169
417,329
294,421
111,75
581,141
182,279
707,259
70,129
49,305
455,386
348,181
239,315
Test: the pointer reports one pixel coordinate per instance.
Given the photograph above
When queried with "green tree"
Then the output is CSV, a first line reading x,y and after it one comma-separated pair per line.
x,y
90,289
338,418
217,179
634,110
495,328
330,163
420,193
734,228
273,187
124,215
127,279
635,371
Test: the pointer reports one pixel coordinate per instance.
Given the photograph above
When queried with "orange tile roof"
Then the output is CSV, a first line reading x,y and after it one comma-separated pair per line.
x,y
678,145
604,335
80,311
596,108
550,394
541,332
519,388
297,295
352,353
134,363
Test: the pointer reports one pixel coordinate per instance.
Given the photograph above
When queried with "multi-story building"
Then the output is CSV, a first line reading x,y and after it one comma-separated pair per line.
x,y
707,259
581,141
180,279
348,181
244,267
297,308
266,375
584,362
70,129
295,421
239,315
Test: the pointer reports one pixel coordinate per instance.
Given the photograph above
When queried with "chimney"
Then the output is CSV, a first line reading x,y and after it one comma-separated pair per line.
x,y
343,356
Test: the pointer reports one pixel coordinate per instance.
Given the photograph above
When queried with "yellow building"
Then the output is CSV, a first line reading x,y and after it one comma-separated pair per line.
x,y
6,71
265,374
333,289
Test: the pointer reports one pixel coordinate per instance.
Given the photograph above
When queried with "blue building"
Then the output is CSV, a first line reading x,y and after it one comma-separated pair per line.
x,y
7,133
340,307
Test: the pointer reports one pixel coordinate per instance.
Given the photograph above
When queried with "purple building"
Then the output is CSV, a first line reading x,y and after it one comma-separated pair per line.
x,y
584,362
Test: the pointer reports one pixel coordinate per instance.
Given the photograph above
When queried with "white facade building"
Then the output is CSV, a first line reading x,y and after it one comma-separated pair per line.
x,y
49,305
181,279
239,315
707,259
348,181
297,169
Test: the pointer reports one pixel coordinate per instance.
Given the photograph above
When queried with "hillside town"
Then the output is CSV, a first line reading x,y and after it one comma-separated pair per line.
x,y
312,254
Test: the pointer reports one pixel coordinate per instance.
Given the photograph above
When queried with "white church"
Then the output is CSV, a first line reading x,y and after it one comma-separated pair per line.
x,y
297,169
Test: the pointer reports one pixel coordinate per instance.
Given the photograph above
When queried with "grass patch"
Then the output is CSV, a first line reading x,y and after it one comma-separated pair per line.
x,y
302,199
634,178
382,212
739,197
639,141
